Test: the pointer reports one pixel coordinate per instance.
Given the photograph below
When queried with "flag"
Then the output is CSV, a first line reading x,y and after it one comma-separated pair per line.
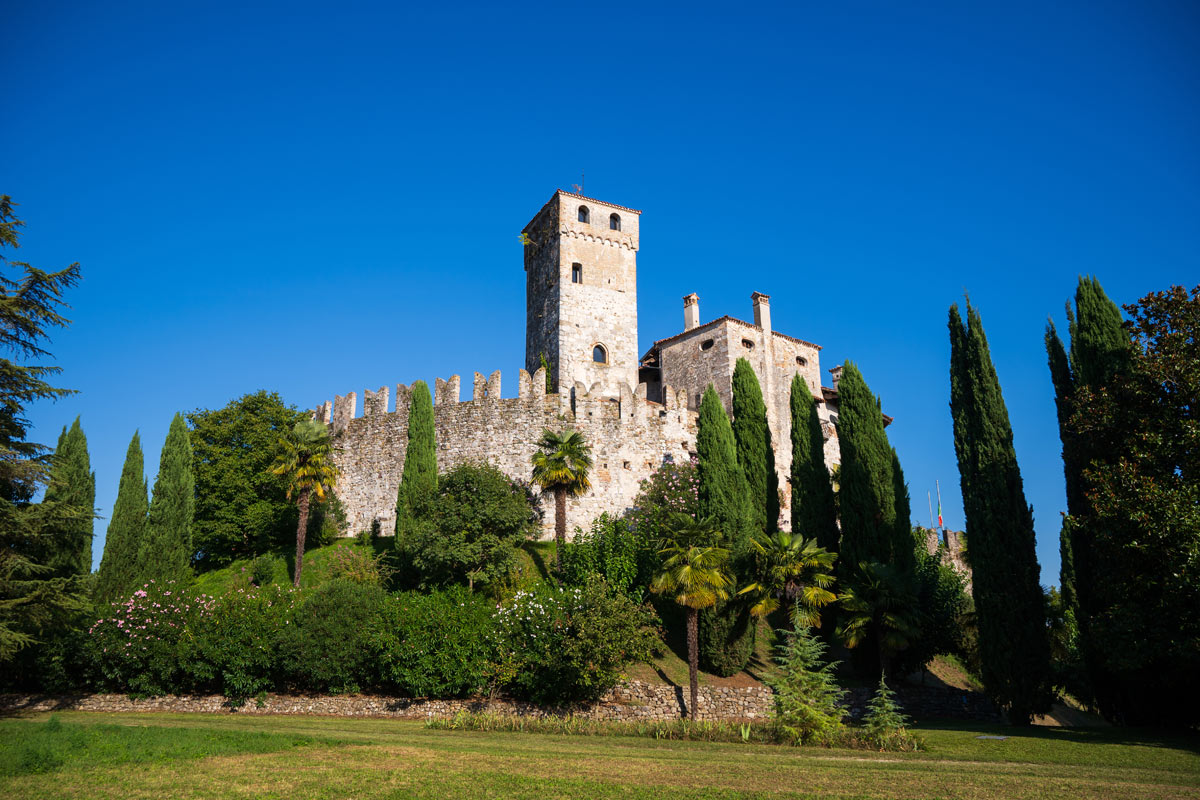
x,y
940,523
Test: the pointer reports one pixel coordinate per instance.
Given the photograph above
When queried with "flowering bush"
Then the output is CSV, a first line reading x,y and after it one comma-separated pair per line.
x,y
435,645
570,644
136,645
233,647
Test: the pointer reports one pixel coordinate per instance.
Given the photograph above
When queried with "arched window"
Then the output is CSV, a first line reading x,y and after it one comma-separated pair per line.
x,y
614,222
746,343
577,273
801,361
599,354
583,213
706,344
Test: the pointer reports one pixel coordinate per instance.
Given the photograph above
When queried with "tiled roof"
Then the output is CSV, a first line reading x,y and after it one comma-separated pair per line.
x,y
594,200
718,320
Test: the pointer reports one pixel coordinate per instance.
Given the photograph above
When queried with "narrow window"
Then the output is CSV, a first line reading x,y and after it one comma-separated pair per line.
x,y
614,222
599,354
583,213
577,273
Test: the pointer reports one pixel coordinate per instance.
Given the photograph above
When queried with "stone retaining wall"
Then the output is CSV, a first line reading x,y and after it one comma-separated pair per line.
x,y
630,702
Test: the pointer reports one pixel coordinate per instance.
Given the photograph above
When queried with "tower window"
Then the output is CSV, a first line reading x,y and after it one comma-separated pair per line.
x,y
706,344
801,361
577,273
746,343
614,222
583,214
599,354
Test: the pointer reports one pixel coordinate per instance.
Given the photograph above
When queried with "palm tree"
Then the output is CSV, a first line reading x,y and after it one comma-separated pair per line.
x,y
561,465
304,457
879,603
693,572
794,570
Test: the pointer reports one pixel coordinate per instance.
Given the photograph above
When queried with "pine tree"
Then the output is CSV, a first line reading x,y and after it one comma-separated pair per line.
x,y
166,551
1009,604
420,474
118,574
884,721
722,489
73,486
868,494
755,453
807,696
813,511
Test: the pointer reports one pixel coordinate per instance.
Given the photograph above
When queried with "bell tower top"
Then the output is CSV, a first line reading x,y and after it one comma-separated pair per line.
x,y
581,291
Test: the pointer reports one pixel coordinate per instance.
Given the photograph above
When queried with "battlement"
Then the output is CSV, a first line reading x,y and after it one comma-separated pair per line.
x,y
598,401
630,436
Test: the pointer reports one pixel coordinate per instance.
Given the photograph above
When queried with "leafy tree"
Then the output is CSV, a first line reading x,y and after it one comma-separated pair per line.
x,y
806,693
722,489
242,508
469,530
755,453
73,485
561,465
867,495
878,606
118,575
304,457
673,487
32,600
794,571
1137,544
420,459
814,513
694,574
1013,645
610,551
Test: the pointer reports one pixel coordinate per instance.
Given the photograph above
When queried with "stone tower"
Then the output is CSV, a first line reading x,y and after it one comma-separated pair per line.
x,y
581,292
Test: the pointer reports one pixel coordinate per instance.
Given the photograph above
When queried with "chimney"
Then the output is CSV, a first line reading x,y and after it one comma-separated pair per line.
x,y
691,311
836,372
762,310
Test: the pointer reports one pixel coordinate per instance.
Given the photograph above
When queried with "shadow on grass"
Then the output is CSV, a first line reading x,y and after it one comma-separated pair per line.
x,y
1143,737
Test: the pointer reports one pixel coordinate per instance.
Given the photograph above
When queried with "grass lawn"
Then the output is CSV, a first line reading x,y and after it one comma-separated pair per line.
x,y
159,756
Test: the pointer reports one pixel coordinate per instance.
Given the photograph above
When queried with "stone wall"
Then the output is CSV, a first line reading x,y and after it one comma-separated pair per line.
x,y
630,438
953,550
630,702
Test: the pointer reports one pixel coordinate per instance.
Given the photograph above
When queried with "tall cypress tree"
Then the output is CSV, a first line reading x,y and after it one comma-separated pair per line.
x,y
755,454
420,459
868,495
1013,644
814,514
722,490
726,633
903,556
118,574
72,487
166,551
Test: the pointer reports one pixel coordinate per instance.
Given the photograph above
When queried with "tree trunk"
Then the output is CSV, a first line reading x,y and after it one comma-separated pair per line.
x,y
693,637
560,525
301,532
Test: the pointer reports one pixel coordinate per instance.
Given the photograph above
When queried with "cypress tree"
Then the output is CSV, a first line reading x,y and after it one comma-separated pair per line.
x,y
1013,644
868,495
72,488
166,551
420,459
755,454
725,630
903,556
118,574
722,486
814,514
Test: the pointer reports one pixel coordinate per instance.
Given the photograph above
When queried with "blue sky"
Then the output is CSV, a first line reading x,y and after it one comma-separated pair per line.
x,y
316,198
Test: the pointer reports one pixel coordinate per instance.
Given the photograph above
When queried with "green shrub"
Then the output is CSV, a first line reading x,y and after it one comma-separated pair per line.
x,y
136,645
356,565
468,530
562,645
327,647
608,551
884,724
234,648
441,644
726,637
670,488
262,570
806,695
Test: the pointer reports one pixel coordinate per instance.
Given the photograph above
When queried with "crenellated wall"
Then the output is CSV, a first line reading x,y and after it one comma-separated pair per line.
x,y
630,437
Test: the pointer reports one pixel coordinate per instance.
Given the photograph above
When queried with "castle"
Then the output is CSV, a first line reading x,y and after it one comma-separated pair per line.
x,y
581,321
